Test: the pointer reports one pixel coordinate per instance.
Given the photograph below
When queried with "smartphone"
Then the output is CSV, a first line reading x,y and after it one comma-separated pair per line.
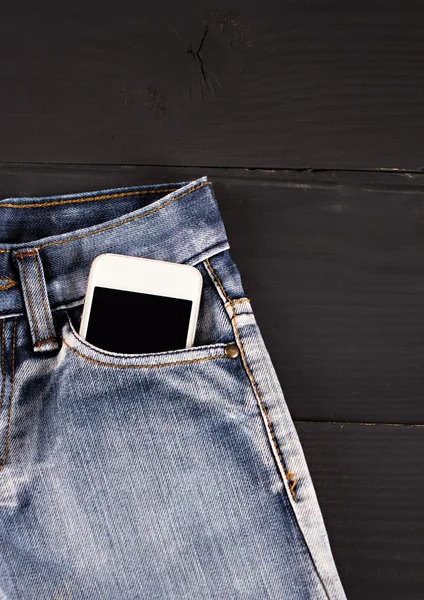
x,y
135,305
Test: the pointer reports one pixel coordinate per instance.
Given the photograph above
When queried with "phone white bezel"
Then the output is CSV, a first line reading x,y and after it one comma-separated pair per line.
x,y
136,274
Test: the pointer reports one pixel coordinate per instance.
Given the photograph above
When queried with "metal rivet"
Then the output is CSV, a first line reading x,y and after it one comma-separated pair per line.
x,y
231,351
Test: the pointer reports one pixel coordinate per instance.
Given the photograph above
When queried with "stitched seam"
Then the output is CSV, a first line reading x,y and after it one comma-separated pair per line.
x,y
26,253
28,290
82,342
9,416
218,281
67,304
258,394
157,366
50,339
3,372
150,212
43,296
88,199
237,301
6,286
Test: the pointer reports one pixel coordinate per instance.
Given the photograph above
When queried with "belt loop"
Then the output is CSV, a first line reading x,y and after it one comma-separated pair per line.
x,y
37,304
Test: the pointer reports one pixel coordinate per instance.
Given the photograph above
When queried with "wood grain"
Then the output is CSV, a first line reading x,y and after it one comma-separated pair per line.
x,y
252,84
370,487
333,263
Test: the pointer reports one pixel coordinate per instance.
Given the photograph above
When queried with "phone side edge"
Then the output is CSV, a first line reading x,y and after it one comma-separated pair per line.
x,y
192,327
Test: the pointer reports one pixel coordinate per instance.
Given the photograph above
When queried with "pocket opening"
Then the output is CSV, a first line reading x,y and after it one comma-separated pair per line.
x,y
80,347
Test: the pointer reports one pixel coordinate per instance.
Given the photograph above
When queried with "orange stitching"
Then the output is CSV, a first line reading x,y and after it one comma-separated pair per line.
x,y
122,222
43,296
157,366
3,372
37,334
26,253
50,339
238,300
11,283
292,479
153,210
146,214
252,380
218,281
88,199
9,416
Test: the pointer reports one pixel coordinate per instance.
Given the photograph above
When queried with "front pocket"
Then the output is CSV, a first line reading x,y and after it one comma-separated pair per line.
x,y
86,351
214,333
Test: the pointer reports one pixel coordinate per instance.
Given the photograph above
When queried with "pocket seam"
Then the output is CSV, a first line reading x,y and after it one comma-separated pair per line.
x,y
154,366
289,475
113,356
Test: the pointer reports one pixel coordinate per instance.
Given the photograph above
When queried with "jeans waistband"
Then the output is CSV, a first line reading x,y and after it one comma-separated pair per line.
x,y
182,224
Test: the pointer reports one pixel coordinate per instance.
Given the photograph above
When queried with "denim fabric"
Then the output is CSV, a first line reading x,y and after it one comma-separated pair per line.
x,y
168,476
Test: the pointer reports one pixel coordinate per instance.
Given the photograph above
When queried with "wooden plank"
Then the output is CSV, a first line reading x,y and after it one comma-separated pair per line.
x,y
370,487
333,263
260,84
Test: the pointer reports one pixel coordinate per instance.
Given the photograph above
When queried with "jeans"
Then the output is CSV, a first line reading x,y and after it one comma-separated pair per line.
x,y
171,475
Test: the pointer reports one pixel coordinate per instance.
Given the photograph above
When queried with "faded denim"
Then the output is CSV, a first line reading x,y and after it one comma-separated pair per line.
x,y
167,476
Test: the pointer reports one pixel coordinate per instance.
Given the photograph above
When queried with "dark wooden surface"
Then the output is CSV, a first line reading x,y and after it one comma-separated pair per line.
x,y
308,117
270,84
369,483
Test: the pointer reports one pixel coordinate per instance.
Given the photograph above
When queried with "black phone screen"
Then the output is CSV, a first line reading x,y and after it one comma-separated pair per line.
x,y
133,322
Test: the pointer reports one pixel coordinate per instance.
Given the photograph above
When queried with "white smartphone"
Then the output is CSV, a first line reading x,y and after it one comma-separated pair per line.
x,y
135,305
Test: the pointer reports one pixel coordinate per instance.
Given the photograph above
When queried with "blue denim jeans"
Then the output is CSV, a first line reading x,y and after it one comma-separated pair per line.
x,y
169,476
